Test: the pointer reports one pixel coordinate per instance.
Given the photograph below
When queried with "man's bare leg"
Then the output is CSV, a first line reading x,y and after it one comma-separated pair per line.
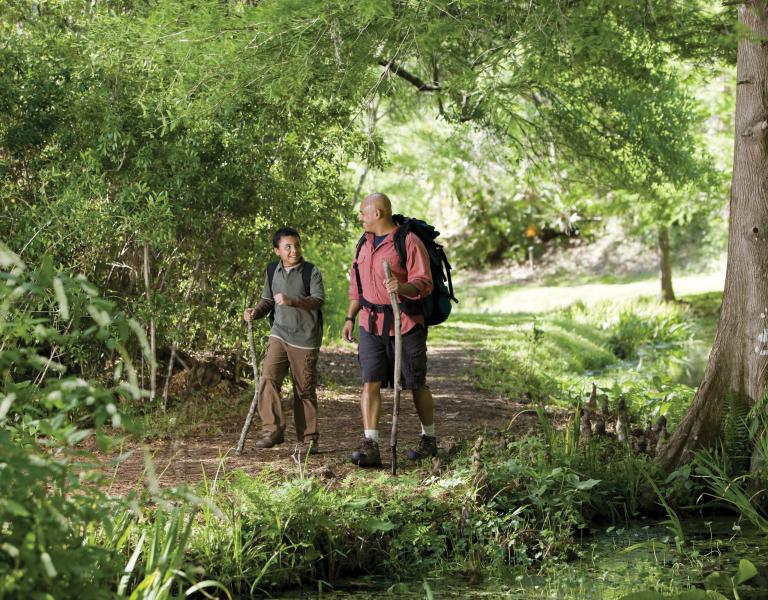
x,y
367,455
370,405
425,405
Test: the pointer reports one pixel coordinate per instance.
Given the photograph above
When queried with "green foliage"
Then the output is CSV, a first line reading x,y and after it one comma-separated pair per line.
x,y
736,436
176,125
284,533
716,583
526,505
724,583
652,329
714,469
690,595
61,534
154,125
556,356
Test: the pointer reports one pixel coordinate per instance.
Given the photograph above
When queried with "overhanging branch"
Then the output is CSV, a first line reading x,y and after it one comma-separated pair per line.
x,y
422,86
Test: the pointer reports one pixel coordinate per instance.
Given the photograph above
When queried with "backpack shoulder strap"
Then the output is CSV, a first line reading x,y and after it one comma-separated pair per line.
x,y
306,276
271,268
358,248
399,240
360,244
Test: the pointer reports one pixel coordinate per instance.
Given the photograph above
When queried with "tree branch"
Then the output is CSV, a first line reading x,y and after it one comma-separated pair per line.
x,y
409,77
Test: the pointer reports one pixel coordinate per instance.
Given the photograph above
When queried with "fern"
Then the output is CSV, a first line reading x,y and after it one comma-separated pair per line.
x,y
736,434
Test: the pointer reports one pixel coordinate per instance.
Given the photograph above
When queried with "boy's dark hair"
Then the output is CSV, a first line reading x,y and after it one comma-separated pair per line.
x,y
284,232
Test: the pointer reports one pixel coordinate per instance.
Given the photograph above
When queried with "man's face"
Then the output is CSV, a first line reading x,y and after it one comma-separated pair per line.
x,y
368,215
289,250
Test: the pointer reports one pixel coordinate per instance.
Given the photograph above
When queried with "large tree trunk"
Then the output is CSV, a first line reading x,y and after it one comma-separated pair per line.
x,y
665,265
739,359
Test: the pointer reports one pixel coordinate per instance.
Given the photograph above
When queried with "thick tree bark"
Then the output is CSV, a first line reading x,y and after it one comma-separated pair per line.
x,y
738,362
665,265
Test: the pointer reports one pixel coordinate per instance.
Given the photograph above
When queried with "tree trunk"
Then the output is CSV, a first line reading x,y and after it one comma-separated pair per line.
x,y
738,362
665,265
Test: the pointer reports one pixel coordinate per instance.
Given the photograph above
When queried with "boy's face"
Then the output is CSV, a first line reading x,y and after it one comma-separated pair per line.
x,y
289,250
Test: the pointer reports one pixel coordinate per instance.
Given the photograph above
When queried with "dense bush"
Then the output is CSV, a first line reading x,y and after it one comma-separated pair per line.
x,y
61,536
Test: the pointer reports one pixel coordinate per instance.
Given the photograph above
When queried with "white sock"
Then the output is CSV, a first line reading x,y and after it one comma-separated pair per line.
x,y
372,434
428,430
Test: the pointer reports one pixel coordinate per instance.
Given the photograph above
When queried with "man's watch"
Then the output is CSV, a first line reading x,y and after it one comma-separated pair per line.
x,y
350,319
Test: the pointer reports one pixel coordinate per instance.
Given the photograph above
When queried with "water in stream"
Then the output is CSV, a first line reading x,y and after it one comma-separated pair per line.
x,y
614,562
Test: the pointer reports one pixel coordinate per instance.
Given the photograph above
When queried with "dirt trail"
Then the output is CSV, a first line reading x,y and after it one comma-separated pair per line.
x,y
461,410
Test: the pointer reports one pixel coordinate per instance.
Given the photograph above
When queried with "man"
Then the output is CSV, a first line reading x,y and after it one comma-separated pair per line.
x,y
369,295
293,294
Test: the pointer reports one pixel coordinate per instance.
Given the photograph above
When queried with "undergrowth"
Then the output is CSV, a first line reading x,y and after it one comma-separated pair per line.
x,y
644,350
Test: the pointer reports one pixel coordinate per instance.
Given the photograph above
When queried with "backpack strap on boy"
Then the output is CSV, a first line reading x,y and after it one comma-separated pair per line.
x,y
306,278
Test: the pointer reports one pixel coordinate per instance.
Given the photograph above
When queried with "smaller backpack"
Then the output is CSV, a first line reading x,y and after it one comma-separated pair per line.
x,y
437,306
306,277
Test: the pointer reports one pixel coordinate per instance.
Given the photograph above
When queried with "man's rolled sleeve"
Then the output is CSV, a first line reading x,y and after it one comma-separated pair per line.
x,y
354,294
419,273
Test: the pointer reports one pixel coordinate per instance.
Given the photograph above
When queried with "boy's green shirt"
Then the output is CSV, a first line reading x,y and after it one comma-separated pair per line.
x,y
296,326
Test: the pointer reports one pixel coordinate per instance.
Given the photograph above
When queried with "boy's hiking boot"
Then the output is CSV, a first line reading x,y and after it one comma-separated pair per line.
x,y
426,447
268,440
367,455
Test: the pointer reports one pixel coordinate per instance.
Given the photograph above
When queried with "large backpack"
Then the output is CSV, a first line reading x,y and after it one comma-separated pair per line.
x,y
437,306
306,278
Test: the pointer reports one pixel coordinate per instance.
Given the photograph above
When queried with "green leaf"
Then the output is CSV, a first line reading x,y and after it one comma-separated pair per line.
x,y
14,508
717,581
358,502
587,485
746,571
643,596
378,525
700,595
50,570
208,583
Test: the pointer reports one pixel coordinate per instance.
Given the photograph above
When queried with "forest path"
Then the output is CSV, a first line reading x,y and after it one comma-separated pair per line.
x,y
461,411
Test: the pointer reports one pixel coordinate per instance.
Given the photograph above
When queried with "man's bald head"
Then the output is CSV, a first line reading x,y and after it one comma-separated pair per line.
x,y
376,213
379,201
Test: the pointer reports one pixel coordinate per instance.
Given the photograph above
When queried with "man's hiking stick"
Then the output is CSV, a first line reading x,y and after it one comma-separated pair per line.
x,y
398,359
255,401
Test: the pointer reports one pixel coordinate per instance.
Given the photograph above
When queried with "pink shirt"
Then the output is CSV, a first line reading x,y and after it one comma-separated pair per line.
x,y
371,266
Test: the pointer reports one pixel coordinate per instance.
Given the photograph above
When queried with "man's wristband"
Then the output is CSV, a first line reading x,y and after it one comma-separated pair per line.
x,y
350,319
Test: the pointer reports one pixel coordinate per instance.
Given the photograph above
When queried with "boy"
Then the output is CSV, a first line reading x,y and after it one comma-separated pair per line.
x,y
293,295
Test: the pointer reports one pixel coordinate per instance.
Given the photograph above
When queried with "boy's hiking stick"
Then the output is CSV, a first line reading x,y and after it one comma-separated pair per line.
x,y
398,359
255,401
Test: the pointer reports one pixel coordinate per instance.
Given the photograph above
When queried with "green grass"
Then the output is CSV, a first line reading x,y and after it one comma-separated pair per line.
x,y
538,298
652,353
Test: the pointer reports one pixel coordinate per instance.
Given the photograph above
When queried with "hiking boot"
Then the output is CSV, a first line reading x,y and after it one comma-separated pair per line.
x,y
367,455
268,440
309,446
427,446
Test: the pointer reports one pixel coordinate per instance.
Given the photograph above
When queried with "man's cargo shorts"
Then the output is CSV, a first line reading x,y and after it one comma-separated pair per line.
x,y
376,356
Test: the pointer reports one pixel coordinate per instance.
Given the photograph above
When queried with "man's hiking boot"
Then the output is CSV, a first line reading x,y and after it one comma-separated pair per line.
x,y
309,446
268,440
367,455
426,447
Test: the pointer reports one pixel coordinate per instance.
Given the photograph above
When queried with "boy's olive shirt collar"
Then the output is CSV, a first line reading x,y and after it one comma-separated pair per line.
x,y
281,267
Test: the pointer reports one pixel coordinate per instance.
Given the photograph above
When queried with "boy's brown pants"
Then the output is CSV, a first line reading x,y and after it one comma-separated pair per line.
x,y
303,364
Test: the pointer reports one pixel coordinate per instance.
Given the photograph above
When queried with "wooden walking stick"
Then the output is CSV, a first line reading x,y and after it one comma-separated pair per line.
x,y
255,401
398,366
